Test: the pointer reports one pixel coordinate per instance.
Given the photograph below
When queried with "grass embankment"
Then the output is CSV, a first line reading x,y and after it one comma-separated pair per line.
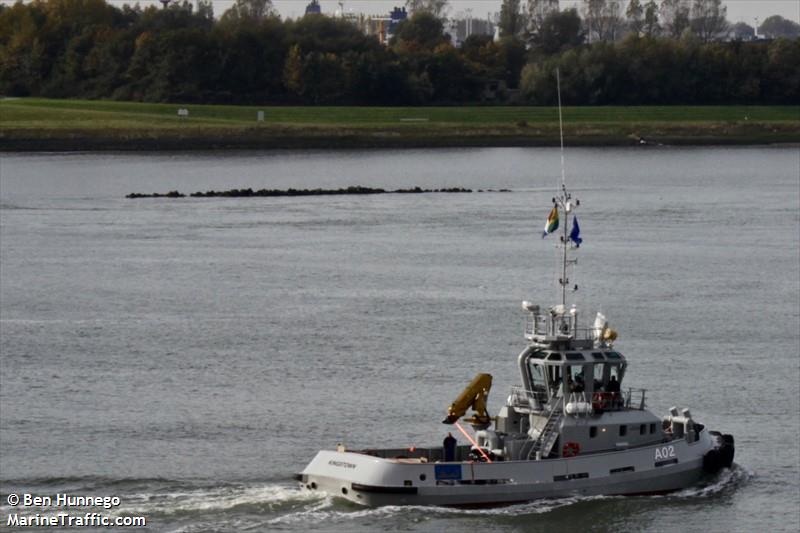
x,y
41,124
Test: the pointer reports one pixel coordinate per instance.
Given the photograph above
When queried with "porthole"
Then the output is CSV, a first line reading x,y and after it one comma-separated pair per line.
x,y
422,477
344,490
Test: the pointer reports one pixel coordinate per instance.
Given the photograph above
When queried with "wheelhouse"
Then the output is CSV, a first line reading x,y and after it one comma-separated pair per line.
x,y
594,376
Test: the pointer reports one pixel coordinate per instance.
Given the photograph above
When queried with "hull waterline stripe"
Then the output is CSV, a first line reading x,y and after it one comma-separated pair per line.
x,y
383,490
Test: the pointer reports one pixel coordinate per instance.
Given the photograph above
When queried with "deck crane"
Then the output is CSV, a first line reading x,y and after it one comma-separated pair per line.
x,y
474,396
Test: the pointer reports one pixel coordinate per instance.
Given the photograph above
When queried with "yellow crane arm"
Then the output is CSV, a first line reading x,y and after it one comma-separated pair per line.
x,y
475,396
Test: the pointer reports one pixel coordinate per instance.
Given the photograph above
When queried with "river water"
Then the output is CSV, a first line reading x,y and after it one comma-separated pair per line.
x,y
189,355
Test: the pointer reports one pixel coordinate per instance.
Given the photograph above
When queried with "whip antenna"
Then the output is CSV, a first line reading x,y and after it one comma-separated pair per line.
x,y
560,128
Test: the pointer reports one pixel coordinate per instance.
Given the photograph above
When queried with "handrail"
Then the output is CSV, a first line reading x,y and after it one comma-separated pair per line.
x,y
548,428
635,396
544,324
520,397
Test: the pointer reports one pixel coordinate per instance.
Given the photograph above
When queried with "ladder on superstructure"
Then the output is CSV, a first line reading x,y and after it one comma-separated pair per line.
x,y
548,435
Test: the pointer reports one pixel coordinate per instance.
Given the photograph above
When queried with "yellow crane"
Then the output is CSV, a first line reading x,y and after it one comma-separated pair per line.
x,y
474,396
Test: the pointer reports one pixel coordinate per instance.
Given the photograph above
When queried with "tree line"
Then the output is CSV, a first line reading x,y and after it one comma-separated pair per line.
x,y
249,55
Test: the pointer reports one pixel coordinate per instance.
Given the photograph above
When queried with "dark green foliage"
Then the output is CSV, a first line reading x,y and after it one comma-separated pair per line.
x,y
512,19
91,49
559,30
776,26
651,71
422,32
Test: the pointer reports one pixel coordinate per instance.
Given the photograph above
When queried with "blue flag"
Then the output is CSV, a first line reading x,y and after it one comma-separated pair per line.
x,y
575,234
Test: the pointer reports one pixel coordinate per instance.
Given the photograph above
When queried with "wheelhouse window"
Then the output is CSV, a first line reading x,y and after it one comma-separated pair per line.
x,y
599,379
538,379
614,378
554,376
575,378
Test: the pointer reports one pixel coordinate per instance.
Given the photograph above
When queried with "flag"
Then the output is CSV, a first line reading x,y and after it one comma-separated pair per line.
x,y
575,234
552,222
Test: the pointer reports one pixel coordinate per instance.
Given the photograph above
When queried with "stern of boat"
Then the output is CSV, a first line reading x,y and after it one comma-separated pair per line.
x,y
362,478
721,454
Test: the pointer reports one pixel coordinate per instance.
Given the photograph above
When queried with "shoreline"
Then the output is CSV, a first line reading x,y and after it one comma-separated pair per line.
x,y
44,125
169,140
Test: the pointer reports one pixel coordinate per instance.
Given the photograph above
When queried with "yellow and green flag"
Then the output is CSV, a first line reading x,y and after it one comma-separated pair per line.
x,y
552,222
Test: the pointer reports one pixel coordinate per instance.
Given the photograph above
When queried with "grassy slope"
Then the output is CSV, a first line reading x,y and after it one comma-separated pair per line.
x,y
58,124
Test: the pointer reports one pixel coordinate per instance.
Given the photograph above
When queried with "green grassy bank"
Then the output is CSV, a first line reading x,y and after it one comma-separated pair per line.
x,y
40,124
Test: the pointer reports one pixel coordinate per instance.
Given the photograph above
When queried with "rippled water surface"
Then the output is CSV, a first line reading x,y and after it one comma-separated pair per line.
x,y
190,355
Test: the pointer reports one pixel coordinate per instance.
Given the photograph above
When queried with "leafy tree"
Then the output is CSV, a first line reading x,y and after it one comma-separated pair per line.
x,y
602,19
24,60
438,8
376,78
502,60
248,10
708,20
560,30
538,10
251,57
651,26
634,15
293,70
781,83
422,31
512,20
675,17
324,78
776,26
205,9
326,34
741,31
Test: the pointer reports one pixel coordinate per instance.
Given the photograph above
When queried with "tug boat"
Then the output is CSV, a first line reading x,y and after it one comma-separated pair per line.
x,y
569,428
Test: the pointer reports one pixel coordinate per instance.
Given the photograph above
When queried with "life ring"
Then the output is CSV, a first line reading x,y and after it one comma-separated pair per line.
x,y
571,449
601,400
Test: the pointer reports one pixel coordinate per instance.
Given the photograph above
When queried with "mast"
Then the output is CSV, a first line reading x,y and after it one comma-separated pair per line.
x,y
563,201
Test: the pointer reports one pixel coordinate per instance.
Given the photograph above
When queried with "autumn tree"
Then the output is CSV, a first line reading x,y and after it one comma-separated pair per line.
x,y
708,19
742,31
634,16
675,17
248,10
422,31
559,31
438,8
602,19
651,26
777,26
512,20
537,11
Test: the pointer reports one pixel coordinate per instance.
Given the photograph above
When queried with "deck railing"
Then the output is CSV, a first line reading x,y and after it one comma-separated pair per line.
x,y
633,398
522,398
560,325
